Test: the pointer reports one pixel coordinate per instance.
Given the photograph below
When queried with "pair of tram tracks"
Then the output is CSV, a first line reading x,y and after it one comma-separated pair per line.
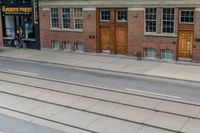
x,y
89,97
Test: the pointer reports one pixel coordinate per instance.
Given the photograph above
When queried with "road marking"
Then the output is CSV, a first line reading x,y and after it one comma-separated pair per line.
x,y
22,72
152,93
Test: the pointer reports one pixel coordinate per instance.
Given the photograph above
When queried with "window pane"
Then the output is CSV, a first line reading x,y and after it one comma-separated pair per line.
x,y
67,46
78,18
187,17
168,20
150,16
105,15
55,45
54,18
121,15
167,54
66,17
150,52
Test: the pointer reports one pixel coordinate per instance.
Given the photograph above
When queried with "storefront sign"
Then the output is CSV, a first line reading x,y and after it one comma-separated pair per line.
x,y
16,10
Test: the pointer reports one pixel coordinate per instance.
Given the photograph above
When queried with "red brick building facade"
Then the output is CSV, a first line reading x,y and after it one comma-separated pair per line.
x,y
166,31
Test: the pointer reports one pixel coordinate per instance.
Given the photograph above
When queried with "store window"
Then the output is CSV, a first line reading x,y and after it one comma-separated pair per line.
x,y
186,16
121,15
150,19
105,15
9,27
149,52
54,18
67,46
78,18
55,45
167,54
168,20
24,23
66,18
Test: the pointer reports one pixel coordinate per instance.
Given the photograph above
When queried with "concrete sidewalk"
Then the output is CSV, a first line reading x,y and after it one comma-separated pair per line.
x,y
124,64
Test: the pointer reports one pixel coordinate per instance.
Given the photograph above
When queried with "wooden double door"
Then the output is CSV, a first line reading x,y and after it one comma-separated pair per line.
x,y
185,44
113,35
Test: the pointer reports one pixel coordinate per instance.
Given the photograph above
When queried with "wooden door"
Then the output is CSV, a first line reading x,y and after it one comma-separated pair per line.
x,y
121,40
185,44
105,38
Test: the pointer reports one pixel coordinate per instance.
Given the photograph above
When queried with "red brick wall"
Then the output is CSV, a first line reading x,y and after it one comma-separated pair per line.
x,y
1,32
196,47
137,40
89,28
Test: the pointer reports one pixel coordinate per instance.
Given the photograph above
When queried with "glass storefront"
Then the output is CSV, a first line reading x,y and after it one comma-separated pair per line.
x,y
20,15
14,22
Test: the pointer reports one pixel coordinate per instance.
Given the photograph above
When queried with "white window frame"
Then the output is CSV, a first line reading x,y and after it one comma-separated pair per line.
x,y
117,15
53,43
148,56
186,22
78,18
69,18
164,33
101,14
172,54
155,20
51,19
67,42
77,50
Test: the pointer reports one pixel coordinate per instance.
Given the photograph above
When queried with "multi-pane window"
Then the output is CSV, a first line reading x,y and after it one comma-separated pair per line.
x,y
187,16
150,52
150,18
105,15
67,46
168,20
55,45
121,15
79,47
78,18
167,54
66,18
54,18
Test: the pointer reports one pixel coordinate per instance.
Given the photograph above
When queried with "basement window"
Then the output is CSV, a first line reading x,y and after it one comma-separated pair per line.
x,y
167,54
55,45
79,47
149,53
67,46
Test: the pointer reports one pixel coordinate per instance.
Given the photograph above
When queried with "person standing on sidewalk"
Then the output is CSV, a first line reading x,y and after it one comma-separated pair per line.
x,y
17,40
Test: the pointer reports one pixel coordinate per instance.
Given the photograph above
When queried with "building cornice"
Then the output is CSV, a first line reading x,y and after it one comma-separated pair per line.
x,y
120,3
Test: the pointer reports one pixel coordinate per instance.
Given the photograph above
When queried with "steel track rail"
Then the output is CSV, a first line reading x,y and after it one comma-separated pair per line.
x,y
83,110
100,99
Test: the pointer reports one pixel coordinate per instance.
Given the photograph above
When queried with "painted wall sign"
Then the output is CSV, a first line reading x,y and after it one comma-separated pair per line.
x,y
16,10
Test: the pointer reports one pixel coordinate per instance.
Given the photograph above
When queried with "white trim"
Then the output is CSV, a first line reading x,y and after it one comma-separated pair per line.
x,y
45,9
136,9
197,9
89,9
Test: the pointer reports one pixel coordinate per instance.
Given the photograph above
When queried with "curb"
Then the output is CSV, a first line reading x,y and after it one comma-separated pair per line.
x,y
114,71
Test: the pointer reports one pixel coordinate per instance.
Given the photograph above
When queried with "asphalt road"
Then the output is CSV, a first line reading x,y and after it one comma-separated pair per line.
x,y
13,125
165,87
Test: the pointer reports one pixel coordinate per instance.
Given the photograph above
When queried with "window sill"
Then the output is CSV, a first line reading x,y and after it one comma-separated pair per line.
x,y
155,34
71,30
